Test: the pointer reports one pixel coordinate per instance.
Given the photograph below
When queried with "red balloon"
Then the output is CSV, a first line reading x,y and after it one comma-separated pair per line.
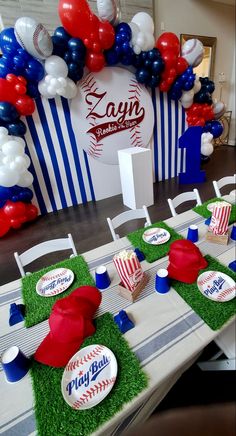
x,y
181,65
25,105
4,226
95,61
31,212
170,59
7,92
106,35
14,210
164,87
15,223
20,88
168,41
77,18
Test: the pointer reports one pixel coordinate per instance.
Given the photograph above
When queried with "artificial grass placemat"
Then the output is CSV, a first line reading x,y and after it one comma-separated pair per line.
x,y
203,211
55,417
213,313
39,308
153,252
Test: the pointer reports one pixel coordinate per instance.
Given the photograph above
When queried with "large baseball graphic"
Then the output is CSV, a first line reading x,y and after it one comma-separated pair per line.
x,y
89,376
112,111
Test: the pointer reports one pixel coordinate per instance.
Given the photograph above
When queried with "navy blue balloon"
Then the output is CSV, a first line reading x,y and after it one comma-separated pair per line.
x,y
124,28
25,195
127,58
67,56
8,39
75,72
61,36
34,71
18,128
148,64
111,56
4,193
118,49
158,66
78,57
32,89
216,128
78,45
210,87
8,112
154,81
24,54
58,50
143,76
154,54
4,68
126,47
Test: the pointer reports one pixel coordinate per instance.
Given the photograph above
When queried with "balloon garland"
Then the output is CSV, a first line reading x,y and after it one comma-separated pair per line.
x,y
35,64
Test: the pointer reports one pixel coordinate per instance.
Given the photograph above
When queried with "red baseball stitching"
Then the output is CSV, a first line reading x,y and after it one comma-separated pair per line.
x,y
56,276
209,277
79,362
38,29
135,93
226,292
99,387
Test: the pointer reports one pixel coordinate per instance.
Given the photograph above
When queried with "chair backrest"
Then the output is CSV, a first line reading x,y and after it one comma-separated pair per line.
x,y
218,184
44,248
128,216
181,198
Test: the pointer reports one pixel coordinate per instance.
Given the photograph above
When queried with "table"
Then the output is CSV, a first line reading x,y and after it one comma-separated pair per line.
x,y
167,338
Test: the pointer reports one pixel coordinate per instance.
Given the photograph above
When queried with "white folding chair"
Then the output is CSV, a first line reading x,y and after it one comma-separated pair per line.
x,y
43,248
230,180
181,198
128,216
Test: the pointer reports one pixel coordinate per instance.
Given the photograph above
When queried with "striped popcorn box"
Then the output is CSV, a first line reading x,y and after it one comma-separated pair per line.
x,y
220,218
129,269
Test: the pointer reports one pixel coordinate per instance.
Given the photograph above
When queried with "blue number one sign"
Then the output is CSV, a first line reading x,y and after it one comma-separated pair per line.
x,y
191,141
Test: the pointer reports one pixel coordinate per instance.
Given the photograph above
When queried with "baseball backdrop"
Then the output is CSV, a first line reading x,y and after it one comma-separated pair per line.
x,y
73,144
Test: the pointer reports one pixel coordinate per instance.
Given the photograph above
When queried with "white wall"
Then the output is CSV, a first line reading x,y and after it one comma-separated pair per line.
x,y
205,18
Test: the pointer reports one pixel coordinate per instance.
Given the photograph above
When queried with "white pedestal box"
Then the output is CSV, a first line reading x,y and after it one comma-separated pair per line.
x,y
135,165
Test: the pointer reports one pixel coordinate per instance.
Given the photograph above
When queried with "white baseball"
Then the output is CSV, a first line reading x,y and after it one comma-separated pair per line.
x,y
112,111
193,52
33,37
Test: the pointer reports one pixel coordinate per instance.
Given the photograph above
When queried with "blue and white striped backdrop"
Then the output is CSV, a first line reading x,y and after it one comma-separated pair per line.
x,y
63,173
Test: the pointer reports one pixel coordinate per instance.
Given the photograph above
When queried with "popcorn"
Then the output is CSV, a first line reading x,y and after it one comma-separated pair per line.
x,y
220,218
128,268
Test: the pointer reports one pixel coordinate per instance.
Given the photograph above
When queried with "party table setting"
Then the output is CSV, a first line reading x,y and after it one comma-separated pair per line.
x,y
90,359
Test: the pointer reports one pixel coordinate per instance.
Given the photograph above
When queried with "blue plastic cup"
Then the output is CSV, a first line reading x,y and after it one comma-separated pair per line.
x,y
162,283
233,233
192,233
15,364
139,254
102,278
232,265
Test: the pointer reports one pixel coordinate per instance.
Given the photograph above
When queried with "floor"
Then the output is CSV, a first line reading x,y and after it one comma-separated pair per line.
x,y
88,225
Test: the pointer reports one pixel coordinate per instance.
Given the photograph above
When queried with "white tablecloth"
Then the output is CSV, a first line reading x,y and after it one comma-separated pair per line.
x,y
168,335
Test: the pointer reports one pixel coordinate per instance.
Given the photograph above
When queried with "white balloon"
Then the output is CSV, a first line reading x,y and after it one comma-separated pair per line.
x,y
193,52
25,179
134,29
197,85
109,10
207,149
13,148
33,37
62,81
219,109
140,39
56,66
43,89
69,91
48,78
8,178
149,41
8,159
144,21
137,49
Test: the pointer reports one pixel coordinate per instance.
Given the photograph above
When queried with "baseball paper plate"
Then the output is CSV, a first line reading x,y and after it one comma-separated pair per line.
x,y
156,236
216,286
89,376
54,282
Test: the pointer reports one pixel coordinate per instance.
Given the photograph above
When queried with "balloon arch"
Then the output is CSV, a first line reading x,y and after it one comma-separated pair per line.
x,y
35,64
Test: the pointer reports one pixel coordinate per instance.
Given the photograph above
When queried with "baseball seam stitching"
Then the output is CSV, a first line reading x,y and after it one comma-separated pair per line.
x,y
135,92
94,390
80,362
